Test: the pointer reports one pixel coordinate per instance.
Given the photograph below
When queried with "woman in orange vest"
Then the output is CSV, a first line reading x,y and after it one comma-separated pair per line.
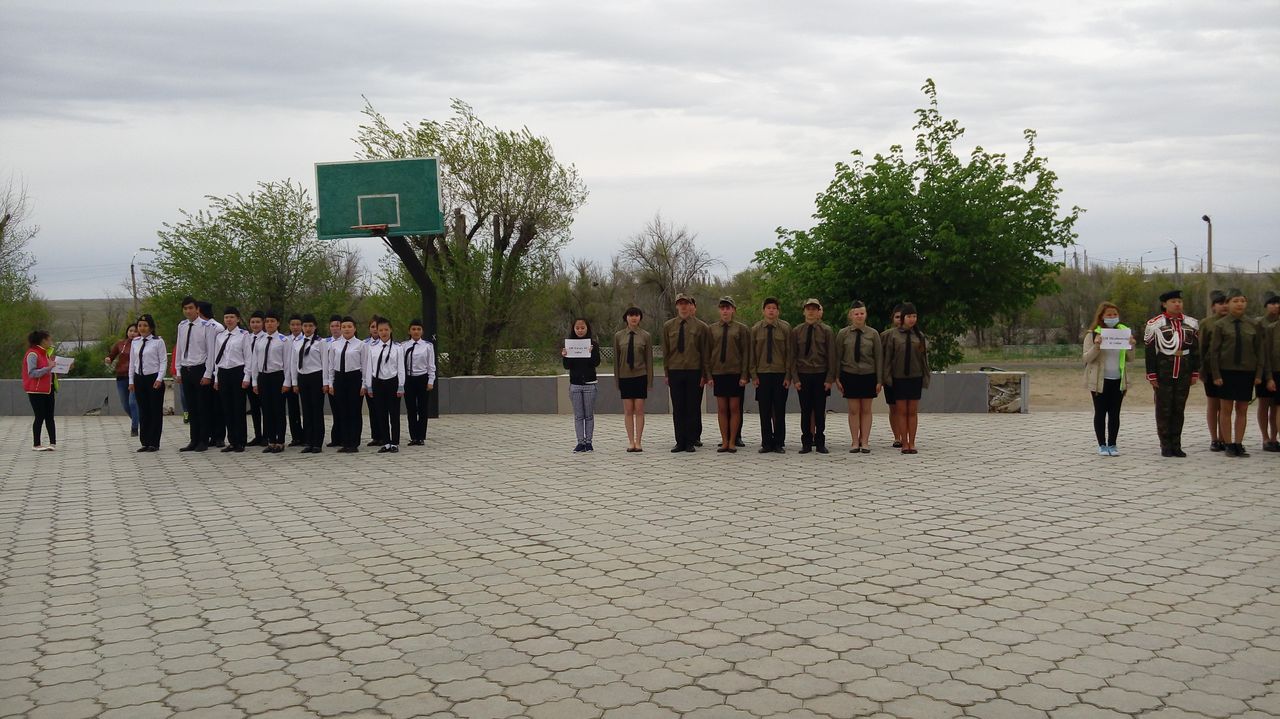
x,y
37,382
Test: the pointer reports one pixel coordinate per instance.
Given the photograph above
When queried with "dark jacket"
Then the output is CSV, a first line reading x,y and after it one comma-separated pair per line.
x,y
582,370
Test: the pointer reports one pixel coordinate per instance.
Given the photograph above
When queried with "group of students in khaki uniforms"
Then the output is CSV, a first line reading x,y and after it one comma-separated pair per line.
x,y
1241,363
773,357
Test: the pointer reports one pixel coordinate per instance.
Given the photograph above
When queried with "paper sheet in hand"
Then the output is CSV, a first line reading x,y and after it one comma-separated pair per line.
x,y
577,348
62,365
1115,339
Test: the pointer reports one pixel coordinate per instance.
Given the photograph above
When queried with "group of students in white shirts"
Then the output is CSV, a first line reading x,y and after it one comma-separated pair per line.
x,y
222,365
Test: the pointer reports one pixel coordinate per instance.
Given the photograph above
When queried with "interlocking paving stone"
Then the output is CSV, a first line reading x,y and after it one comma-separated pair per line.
x,y
1006,571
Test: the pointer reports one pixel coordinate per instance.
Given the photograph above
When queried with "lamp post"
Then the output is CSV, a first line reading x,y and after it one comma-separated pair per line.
x,y
1258,270
1175,260
1208,277
133,276
1141,267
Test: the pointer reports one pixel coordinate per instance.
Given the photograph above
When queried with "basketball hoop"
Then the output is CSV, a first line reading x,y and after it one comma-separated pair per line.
x,y
376,230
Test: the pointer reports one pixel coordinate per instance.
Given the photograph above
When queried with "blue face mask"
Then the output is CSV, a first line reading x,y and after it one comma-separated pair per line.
x,y
1111,321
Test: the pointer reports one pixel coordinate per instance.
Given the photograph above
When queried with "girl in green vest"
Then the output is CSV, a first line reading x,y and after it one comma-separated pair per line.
x,y
1104,377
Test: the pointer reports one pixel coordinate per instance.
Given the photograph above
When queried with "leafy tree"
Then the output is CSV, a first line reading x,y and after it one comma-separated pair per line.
x,y
21,310
255,251
510,204
666,260
964,239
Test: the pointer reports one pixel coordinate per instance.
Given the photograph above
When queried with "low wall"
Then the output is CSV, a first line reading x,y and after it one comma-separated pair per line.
x,y
951,392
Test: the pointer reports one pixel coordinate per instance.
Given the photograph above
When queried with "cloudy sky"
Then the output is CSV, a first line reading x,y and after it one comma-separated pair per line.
x,y
724,116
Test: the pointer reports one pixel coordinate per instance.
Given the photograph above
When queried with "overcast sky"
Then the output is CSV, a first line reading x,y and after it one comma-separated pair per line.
x,y
725,116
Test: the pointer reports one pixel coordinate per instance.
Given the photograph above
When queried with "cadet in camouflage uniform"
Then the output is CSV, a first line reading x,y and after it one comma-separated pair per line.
x,y
1173,365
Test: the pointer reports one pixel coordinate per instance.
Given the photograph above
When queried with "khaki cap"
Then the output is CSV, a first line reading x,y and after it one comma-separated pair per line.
x,y
684,297
727,300
812,301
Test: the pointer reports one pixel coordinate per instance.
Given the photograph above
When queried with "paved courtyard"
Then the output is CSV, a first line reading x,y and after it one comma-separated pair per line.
x,y
1004,571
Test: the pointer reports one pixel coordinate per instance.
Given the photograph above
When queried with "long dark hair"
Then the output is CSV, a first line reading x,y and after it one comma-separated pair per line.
x,y
910,309
574,335
36,337
132,326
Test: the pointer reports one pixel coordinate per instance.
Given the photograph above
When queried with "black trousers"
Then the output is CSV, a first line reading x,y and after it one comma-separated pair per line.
x,y
742,412
1106,412
293,405
218,422
333,430
1171,404
415,406
813,409
772,397
311,401
42,407
385,421
150,409
198,400
686,404
373,426
348,417
255,414
269,386
231,397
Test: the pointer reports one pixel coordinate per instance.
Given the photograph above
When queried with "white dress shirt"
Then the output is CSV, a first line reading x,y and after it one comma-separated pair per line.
x,y
147,356
194,346
419,359
269,355
355,353
232,346
306,356
384,360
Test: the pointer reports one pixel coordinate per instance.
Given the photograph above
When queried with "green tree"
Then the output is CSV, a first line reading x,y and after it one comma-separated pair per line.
x,y
510,204
21,310
255,251
964,239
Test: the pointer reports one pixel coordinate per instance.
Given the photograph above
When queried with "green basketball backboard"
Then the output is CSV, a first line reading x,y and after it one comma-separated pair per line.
x,y
402,194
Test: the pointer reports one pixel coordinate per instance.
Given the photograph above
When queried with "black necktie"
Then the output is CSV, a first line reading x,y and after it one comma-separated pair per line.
x,y
142,354
342,360
906,357
218,359
408,357
382,356
1239,345
303,353
680,342
857,346
266,353
724,343
808,341
631,351
186,350
768,346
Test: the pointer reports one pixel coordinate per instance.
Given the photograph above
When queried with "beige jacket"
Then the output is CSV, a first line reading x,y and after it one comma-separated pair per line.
x,y
1093,361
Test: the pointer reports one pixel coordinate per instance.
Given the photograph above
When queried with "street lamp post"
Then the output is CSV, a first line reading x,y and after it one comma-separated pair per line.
x,y
133,276
1208,283
1259,268
1175,260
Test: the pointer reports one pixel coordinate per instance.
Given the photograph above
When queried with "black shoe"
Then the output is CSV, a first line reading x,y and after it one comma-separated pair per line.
x,y
297,443
677,448
1240,452
822,449
806,449
133,433
1177,452
779,450
257,442
865,450
722,450
697,443
188,448
1216,446
219,445
238,449
334,444
739,443
144,449
228,449
268,450
897,445
853,451
153,448
373,443
201,448
691,448
393,449
1166,452
766,449
384,449
1271,447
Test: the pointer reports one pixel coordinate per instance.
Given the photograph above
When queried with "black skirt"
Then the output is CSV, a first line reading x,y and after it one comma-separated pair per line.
x,y
634,387
1237,386
889,395
1211,390
858,386
726,385
907,388
1262,388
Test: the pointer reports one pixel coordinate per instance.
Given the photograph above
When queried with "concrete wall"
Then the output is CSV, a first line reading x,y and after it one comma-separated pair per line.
x,y
948,392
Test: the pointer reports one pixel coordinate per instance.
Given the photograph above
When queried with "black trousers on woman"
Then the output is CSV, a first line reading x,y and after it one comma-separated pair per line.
x,y
385,421
311,398
231,395
415,406
1106,412
150,409
42,407
269,386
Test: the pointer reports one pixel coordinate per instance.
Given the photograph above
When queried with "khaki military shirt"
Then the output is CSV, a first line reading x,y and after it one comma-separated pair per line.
x,y
696,336
764,361
730,349
818,357
1222,355
642,362
860,357
896,362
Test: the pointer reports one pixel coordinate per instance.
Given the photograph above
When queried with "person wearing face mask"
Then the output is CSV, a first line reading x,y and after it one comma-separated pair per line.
x,y
1104,377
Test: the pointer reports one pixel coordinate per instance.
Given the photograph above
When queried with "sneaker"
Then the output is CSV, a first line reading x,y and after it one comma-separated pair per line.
x,y
1111,450
580,448
1216,446
39,448
1273,446
133,433
588,448
1103,451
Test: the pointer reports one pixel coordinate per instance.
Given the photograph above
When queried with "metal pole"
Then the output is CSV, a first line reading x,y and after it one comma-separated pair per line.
x,y
1208,278
1175,259
133,280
